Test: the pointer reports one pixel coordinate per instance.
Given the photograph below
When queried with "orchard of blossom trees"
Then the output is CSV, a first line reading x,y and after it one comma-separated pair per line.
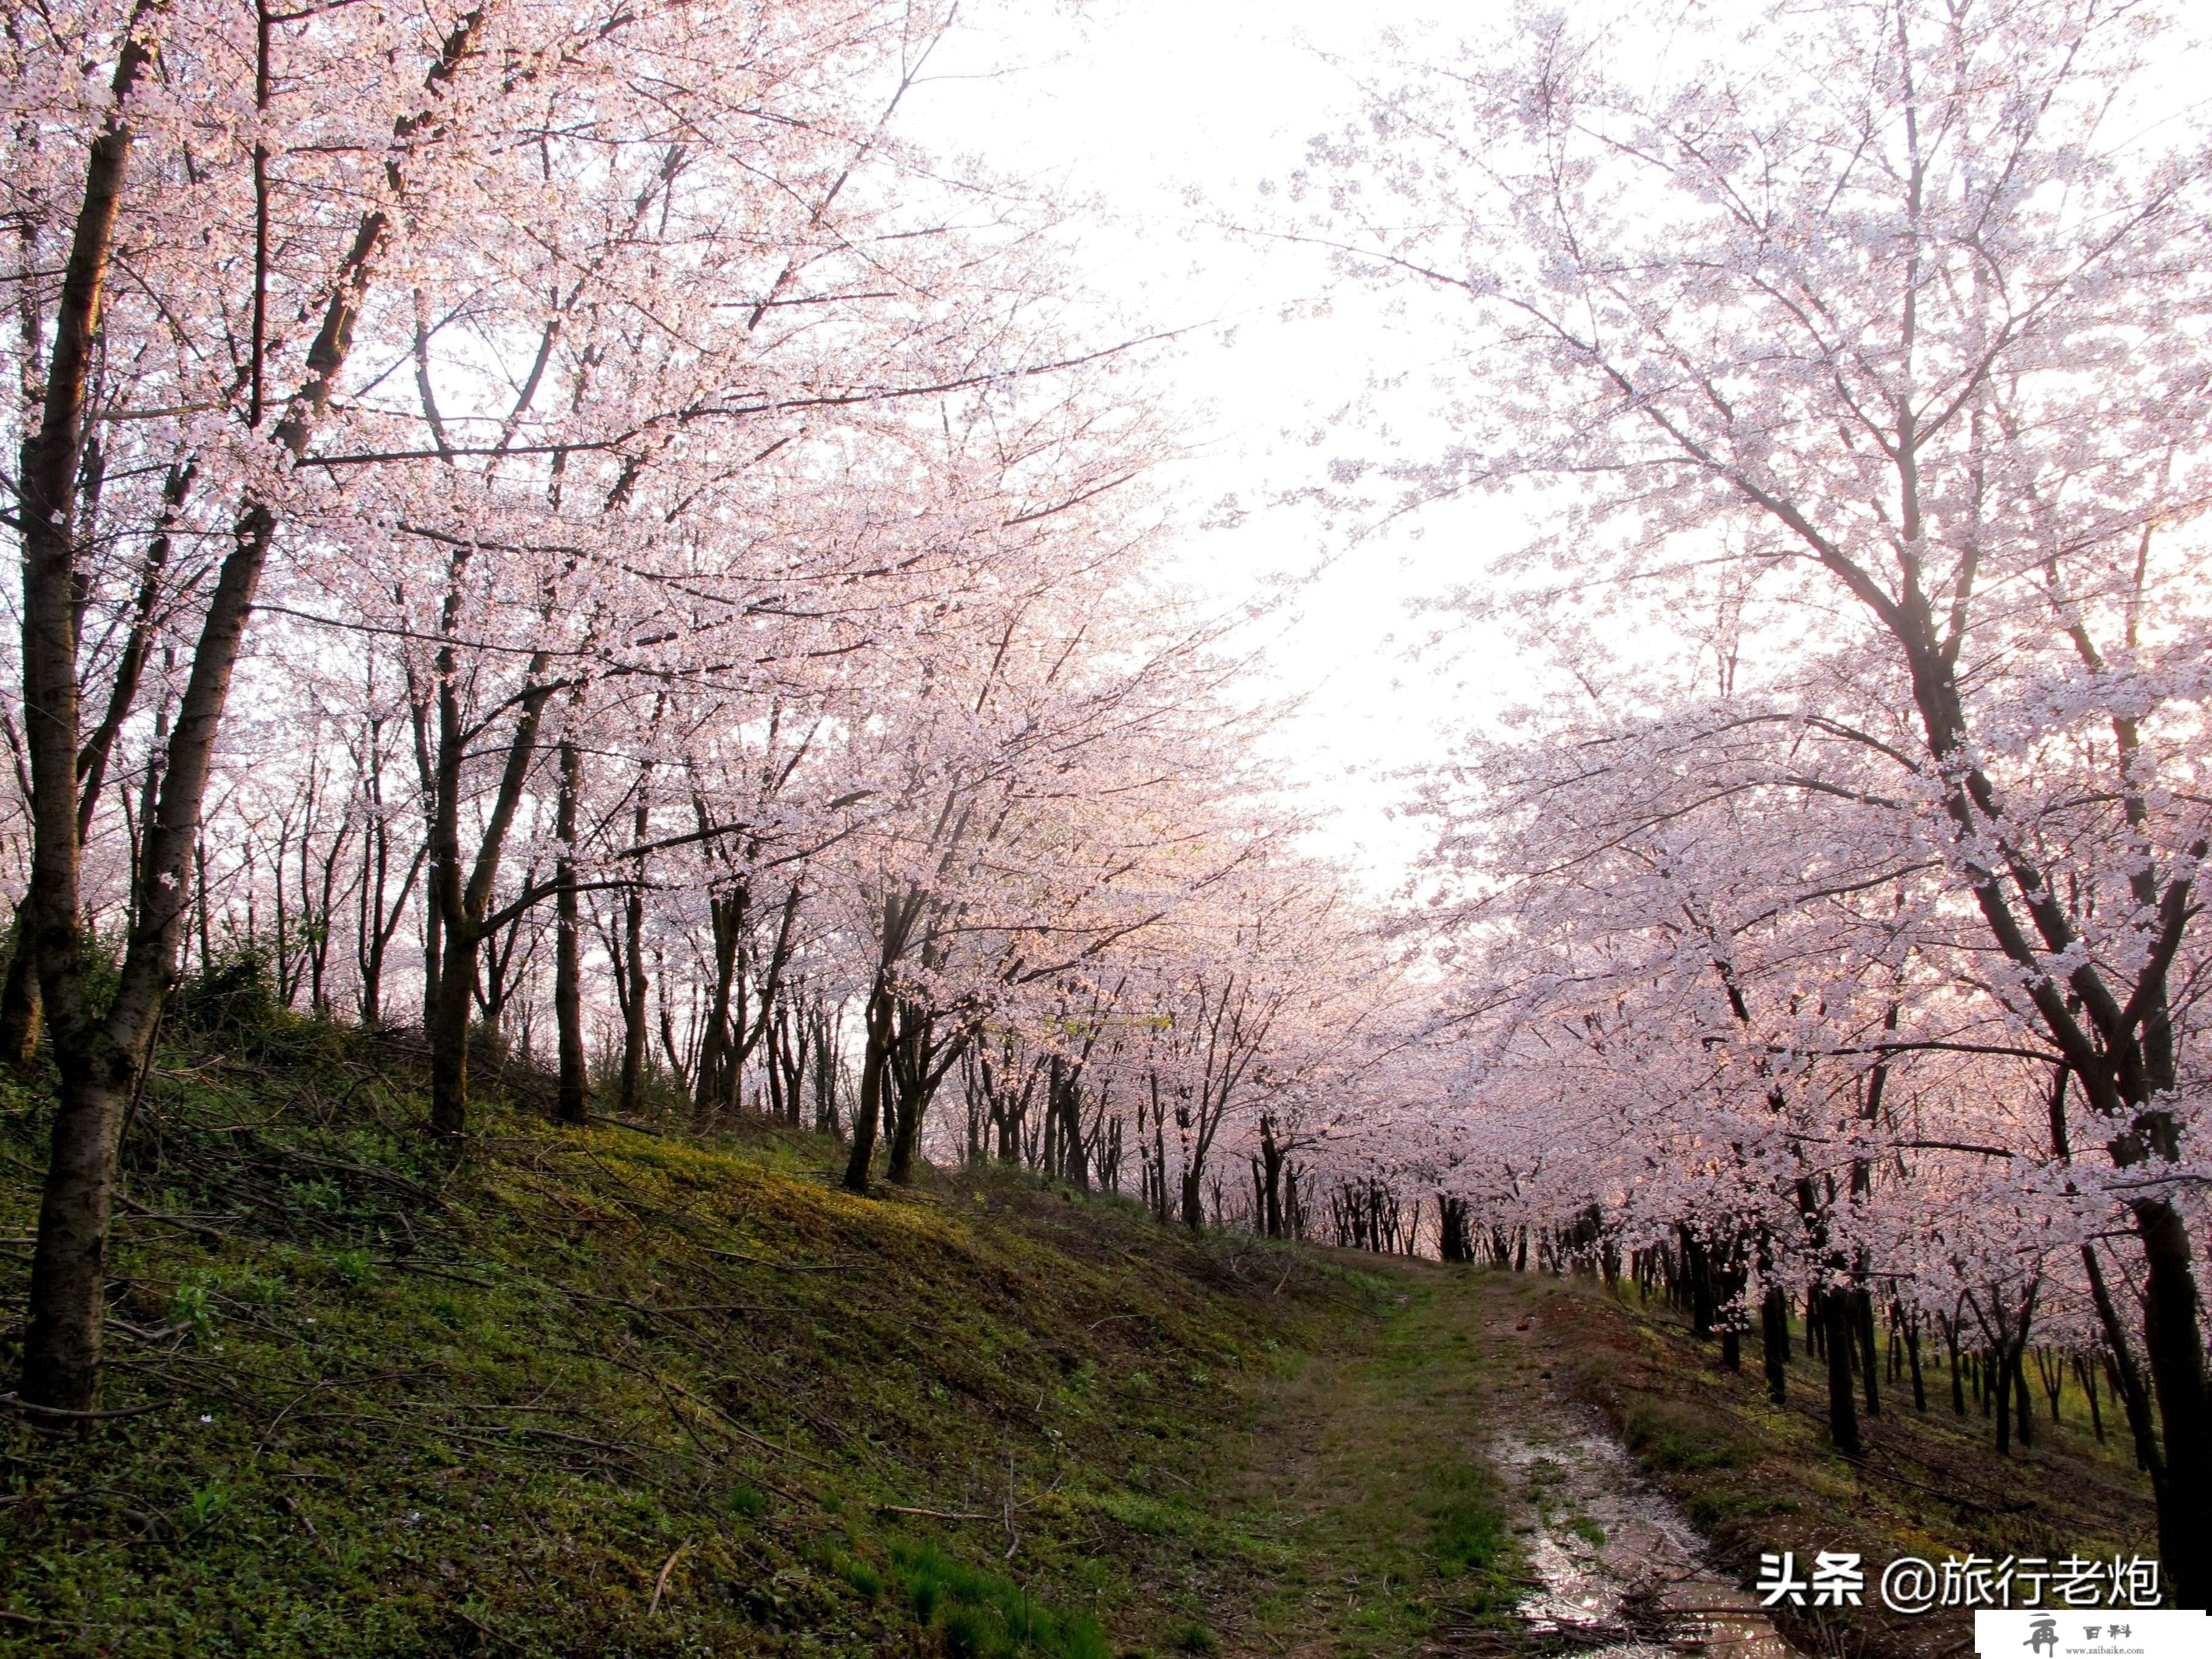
x,y
550,532
548,528
1825,933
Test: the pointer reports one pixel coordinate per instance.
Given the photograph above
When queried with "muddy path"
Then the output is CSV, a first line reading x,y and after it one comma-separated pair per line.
x,y
1434,1492
1621,1572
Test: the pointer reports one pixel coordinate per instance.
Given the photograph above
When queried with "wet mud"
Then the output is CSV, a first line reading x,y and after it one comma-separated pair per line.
x,y
1619,1573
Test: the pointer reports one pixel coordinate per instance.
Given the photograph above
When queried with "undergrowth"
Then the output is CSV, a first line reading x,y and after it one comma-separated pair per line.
x,y
607,1390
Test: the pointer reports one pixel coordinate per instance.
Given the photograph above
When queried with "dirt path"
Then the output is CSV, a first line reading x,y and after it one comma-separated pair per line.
x,y
1623,1571
1435,1495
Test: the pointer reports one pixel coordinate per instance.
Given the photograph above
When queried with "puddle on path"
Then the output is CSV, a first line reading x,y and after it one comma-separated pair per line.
x,y
1622,1572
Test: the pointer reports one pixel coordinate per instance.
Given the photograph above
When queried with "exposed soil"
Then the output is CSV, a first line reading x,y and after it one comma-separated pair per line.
x,y
1623,1574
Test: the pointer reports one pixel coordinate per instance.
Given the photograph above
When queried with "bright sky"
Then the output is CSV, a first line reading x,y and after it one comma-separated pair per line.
x,y
1144,106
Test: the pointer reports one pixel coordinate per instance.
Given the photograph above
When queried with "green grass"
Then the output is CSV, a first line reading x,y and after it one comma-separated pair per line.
x,y
980,1614
1360,1516
1668,1434
593,1392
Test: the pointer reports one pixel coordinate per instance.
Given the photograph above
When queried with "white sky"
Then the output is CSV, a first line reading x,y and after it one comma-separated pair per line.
x,y
1138,105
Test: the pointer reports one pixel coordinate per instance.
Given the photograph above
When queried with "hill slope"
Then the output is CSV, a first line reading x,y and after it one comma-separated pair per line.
x,y
613,1391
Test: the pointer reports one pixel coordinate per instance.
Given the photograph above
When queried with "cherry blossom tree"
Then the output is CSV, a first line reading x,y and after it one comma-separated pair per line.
x,y
1875,332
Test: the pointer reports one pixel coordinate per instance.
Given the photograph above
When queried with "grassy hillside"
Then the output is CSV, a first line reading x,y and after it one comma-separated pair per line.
x,y
615,1392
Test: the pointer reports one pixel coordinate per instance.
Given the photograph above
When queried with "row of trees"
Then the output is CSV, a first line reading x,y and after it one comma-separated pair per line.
x,y
1828,917
550,526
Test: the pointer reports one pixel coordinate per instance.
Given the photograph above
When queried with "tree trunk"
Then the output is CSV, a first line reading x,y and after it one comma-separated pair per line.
x,y
448,1023
1774,1344
1869,1355
2001,1394
1271,1169
873,1063
574,1102
2176,1350
634,1033
20,1009
1837,1310
2127,1380
62,1342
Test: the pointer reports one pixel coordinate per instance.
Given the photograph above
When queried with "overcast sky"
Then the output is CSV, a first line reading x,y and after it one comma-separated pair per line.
x,y
1144,107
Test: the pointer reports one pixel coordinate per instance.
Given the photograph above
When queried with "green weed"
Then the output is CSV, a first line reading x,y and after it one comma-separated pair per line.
x,y
749,1502
981,1615
1676,1437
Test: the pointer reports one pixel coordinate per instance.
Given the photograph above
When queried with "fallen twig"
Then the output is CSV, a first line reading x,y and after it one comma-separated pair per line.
x,y
122,1201
787,1267
934,1514
14,1403
408,1267
660,1583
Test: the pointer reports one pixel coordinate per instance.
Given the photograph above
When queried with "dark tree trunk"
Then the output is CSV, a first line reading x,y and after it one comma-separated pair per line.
x,y
1837,1318
907,1096
62,1339
1271,1170
720,1070
2176,1350
1774,1344
2001,1394
874,1062
19,1008
1869,1354
2127,1380
634,1010
575,1099
1912,1359
448,1029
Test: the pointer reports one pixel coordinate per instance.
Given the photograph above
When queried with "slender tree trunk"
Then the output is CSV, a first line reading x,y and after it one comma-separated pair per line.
x,y
1271,1170
100,1058
1774,1343
2127,1381
874,1062
100,1053
19,1008
634,1032
575,1088
2089,1392
1999,1388
1869,1355
1837,1316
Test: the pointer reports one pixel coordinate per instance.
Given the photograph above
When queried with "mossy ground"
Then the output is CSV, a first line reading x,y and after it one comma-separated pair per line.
x,y
618,1391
